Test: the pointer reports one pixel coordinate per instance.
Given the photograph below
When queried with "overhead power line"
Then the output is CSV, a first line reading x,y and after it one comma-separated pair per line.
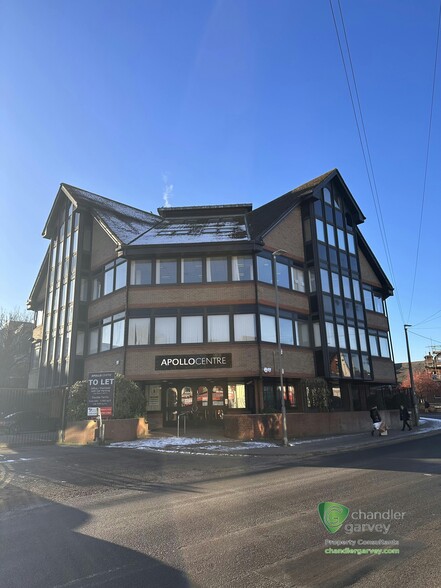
x,y
426,163
365,146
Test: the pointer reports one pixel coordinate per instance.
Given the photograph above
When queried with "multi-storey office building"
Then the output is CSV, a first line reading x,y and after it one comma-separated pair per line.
x,y
184,302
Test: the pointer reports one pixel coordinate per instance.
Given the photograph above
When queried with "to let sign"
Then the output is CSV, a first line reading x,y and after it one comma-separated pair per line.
x,y
100,393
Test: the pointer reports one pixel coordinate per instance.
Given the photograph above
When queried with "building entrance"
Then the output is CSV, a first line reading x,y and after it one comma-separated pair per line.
x,y
201,400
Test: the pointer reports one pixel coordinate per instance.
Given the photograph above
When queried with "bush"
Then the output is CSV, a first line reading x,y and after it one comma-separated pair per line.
x,y
129,400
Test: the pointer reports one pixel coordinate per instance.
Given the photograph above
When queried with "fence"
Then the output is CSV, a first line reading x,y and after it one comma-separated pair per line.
x,y
31,416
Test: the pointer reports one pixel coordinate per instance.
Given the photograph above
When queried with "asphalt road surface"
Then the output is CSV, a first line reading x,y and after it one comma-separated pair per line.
x,y
96,516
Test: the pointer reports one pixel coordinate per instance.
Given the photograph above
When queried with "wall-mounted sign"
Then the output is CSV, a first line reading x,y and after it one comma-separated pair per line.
x,y
191,362
100,393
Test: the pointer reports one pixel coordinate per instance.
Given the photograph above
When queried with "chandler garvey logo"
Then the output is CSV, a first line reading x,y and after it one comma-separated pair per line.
x,y
333,515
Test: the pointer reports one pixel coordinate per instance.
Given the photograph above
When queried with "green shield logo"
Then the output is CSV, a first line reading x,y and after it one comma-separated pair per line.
x,y
332,515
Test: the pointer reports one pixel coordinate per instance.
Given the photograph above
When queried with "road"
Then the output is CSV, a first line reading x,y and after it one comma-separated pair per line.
x,y
97,516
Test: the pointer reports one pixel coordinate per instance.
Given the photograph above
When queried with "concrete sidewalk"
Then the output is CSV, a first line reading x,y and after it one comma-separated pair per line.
x,y
210,442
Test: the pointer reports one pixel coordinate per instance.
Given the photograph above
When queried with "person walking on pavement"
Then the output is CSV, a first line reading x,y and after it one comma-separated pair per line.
x,y
376,420
405,416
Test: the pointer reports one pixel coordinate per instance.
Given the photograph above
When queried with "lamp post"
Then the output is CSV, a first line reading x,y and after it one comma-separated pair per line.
x,y
412,383
279,348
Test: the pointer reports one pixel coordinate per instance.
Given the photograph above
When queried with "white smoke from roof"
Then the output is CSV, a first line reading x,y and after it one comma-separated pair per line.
x,y
167,192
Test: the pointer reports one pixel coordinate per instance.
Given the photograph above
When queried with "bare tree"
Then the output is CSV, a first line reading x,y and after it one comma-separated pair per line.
x,y
15,347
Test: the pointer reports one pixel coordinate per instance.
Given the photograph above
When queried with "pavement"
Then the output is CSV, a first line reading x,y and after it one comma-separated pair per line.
x,y
206,442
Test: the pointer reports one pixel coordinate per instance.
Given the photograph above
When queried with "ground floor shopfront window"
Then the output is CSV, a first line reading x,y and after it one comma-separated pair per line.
x,y
200,400
272,397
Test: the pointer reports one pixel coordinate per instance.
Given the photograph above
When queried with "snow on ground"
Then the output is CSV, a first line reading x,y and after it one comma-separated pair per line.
x,y
193,444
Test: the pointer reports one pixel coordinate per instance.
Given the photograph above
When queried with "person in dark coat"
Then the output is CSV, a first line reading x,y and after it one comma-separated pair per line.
x,y
405,417
376,420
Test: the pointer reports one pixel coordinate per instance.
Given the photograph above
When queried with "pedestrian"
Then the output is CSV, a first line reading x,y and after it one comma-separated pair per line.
x,y
376,420
426,405
405,417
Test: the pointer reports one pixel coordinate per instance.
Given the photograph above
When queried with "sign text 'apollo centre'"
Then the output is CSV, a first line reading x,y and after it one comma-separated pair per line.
x,y
181,362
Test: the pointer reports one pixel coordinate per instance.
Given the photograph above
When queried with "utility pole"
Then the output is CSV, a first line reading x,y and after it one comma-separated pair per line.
x,y
279,347
412,383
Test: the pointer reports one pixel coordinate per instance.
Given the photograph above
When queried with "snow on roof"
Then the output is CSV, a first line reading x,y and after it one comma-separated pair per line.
x,y
200,230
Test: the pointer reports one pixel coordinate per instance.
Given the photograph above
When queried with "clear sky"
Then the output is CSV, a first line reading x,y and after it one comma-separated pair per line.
x,y
209,102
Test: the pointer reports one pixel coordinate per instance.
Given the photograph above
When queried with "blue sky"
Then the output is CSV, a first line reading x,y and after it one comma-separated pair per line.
x,y
222,101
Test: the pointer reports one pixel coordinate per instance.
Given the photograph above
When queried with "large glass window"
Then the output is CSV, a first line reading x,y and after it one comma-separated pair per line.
x,y
165,330
286,331
218,327
312,280
368,301
378,303
93,340
302,333
191,271
352,338
192,329
140,273
341,337
320,230
244,327
384,346
336,284
139,331
264,269
242,268
331,234
217,269
298,279
282,275
118,333
106,337
324,276
374,345
346,287
268,328
120,275
236,396
317,336
166,271
330,334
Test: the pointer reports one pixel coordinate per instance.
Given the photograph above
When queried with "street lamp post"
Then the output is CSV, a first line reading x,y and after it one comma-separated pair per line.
x,y
279,348
412,383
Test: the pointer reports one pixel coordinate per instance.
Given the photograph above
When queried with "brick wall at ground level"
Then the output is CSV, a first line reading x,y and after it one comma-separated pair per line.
x,y
269,426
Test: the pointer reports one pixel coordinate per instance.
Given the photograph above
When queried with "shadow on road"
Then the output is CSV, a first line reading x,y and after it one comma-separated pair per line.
x,y
41,548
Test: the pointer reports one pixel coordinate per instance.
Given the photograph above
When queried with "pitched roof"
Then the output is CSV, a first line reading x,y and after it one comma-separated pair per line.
x,y
261,220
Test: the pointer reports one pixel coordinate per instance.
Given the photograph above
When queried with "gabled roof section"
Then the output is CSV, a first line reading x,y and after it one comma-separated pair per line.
x,y
123,223
388,289
262,220
39,281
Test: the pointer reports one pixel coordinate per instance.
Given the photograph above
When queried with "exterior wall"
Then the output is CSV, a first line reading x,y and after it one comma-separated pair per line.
x,y
103,248
108,305
140,362
125,429
367,273
269,426
109,361
298,362
288,235
191,295
377,321
384,370
289,300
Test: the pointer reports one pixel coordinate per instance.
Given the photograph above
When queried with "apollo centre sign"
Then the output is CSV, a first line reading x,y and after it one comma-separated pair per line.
x,y
201,361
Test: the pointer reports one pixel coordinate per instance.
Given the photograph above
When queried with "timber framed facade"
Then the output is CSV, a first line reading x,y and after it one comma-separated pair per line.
x,y
184,302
